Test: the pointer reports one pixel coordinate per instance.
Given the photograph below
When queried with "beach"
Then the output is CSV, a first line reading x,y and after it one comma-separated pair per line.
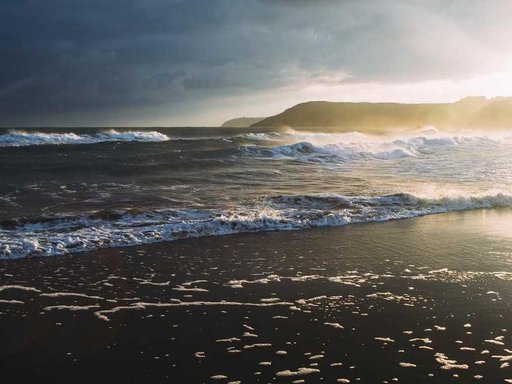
x,y
423,300
255,192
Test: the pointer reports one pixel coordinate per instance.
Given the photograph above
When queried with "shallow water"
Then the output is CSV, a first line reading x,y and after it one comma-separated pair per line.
x,y
71,190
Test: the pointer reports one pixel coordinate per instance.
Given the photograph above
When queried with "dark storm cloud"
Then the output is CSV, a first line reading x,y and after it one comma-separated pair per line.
x,y
64,59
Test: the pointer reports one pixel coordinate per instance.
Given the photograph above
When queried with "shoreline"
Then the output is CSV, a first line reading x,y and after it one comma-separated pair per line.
x,y
366,303
232,225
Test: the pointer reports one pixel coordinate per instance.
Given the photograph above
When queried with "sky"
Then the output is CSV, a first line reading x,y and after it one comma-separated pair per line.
x,y
201,62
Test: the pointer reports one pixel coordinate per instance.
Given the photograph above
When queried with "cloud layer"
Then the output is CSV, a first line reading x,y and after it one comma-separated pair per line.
x,y
118,62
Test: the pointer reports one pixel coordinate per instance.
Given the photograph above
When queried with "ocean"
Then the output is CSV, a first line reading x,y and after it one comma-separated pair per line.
x,y
71,190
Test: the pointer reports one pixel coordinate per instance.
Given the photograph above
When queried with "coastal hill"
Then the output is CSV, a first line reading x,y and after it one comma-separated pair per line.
x,y
470,112
241,122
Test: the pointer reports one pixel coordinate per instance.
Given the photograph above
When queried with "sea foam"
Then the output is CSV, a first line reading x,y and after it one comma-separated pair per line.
x,y
84,232
17,138
326,147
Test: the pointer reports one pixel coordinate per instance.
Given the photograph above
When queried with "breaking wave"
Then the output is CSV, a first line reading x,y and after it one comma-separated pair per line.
x,y
322,147
47,236
22,138
309,152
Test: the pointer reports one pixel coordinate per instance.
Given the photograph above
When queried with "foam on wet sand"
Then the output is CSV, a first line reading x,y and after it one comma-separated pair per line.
x,y
268,316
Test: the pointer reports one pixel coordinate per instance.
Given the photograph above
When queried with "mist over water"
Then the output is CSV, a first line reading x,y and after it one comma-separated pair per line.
x,y
71,190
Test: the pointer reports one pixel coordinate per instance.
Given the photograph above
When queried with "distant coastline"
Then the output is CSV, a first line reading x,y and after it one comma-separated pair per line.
x,y
467,113
242,122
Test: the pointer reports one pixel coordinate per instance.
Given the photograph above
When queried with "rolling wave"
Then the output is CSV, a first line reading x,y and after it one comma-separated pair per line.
x,y
324,147
22,138
309,152
49,236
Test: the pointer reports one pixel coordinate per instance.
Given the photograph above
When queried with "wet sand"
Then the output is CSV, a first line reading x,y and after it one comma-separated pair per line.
x,y
424,300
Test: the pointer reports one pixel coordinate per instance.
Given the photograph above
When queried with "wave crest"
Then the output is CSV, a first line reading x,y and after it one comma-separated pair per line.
x,y
23,138
103,229
322,147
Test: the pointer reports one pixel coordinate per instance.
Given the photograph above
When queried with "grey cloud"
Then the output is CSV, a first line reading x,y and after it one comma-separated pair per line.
x,y
63,59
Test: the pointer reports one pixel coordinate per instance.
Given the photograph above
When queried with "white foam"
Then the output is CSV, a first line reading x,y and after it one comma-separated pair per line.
x,y
229,340
102,314
23,138
11,302
186,289
299,372
502,357
71,294
258,345
63,235
160,284
385,339
19,288
335,325
71,307
448,364
270,299
493,341
325,147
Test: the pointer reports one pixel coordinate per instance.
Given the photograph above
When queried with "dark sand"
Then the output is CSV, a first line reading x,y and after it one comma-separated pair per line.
x,y
424,300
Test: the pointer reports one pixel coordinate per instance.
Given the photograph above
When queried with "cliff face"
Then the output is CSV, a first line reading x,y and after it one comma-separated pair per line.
x,y
472,112
242,122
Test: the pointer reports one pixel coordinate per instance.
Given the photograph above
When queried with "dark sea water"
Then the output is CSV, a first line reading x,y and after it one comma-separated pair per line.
x,y
69,190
